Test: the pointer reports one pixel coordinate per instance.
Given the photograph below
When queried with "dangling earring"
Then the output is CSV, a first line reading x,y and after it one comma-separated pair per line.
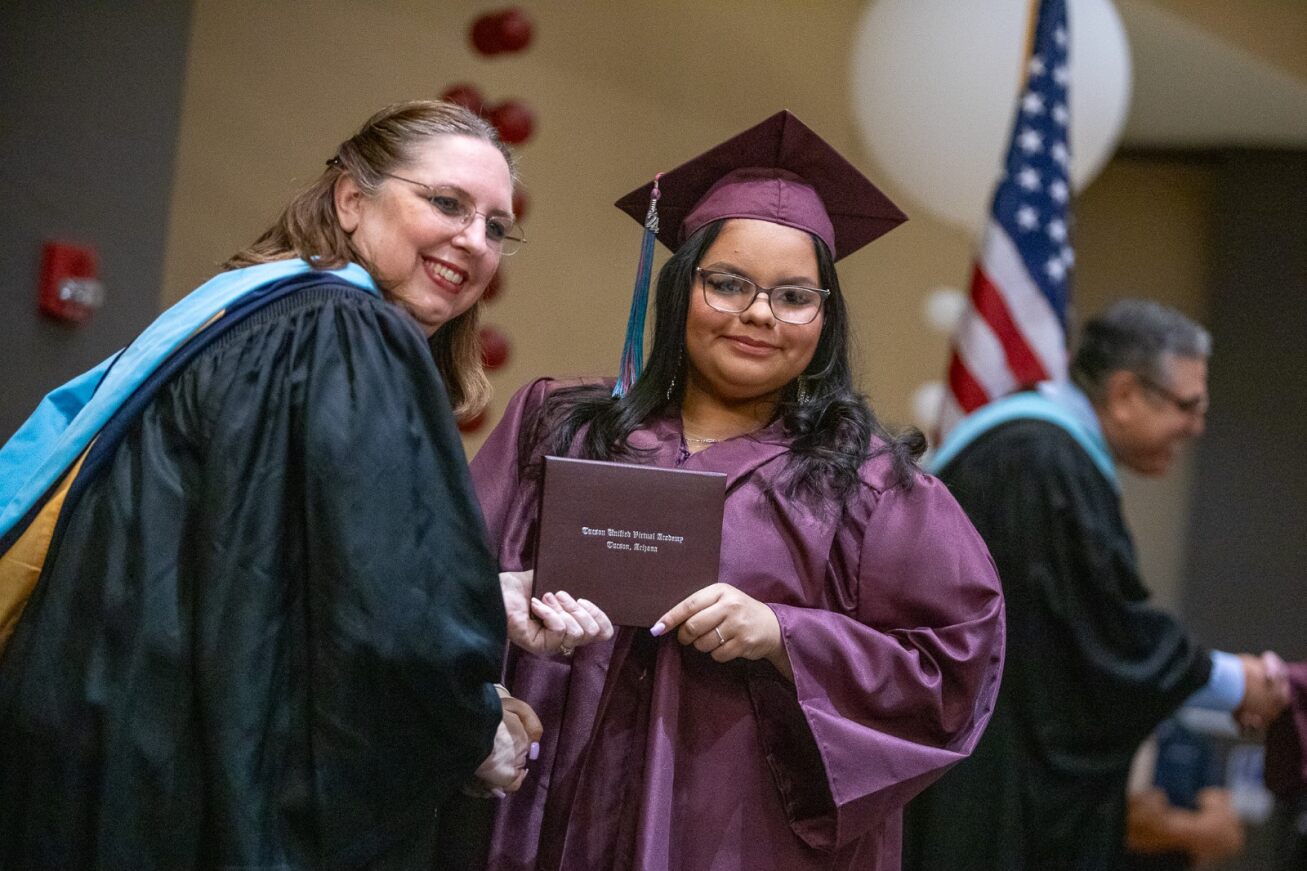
x,y
680,353
802,396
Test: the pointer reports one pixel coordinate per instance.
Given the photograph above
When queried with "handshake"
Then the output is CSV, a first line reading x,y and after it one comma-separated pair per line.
x,y
1266,691
517,744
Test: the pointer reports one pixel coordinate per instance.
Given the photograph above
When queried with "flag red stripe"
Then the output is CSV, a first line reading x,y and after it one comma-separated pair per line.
x,y
966,389
988,301
1013,333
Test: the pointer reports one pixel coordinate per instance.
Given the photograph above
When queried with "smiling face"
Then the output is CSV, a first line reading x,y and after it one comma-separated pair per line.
x,y
426,263
1145,424
751,355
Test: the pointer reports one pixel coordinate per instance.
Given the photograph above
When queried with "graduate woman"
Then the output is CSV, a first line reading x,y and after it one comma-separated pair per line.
x,y
250,617
850,648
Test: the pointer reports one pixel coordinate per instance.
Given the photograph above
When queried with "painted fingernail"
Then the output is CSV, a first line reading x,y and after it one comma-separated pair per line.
x,y
534,752
658,628
498,793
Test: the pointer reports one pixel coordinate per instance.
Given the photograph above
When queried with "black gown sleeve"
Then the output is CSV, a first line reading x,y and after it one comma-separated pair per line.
x,y
1094,665
333,446
1091,666
266,632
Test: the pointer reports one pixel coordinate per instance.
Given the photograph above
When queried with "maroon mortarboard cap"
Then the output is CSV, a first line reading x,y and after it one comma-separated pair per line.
x,y
778,171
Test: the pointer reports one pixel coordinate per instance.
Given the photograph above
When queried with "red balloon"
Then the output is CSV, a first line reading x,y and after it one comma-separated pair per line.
x,y
472,424
514,121
485,34
514,30
465,95
521,203
494,288
494,348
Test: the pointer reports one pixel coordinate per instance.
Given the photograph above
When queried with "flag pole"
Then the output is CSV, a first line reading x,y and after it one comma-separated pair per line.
x,y
1032,19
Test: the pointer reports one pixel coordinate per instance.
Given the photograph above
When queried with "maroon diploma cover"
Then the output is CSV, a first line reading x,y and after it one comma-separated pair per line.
x,y
635,540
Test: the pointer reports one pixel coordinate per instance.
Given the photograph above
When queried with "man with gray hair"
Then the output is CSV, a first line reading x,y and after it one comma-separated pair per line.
x,y
1091,667
1143,367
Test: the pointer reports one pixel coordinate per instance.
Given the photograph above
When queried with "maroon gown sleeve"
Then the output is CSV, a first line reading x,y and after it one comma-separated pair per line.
x,y
898,688
507,501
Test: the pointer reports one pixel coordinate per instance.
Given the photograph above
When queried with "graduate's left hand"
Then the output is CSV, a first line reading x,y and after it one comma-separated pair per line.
x,y
727,624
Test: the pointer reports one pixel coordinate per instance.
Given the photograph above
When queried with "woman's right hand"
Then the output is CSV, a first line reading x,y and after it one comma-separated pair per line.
x,y
553,623
517,740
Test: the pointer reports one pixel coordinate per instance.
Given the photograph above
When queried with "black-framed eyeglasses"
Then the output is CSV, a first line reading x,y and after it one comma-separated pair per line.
x,y
1190,405
790,303
450,203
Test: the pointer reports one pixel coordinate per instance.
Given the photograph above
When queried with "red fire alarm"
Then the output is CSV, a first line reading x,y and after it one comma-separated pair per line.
x,y
70,288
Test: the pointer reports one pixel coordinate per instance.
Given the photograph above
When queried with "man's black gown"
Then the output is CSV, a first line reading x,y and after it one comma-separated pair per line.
x,y
1091,668
268,625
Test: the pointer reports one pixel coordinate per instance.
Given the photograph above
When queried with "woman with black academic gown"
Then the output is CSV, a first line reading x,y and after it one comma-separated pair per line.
x,y
247,612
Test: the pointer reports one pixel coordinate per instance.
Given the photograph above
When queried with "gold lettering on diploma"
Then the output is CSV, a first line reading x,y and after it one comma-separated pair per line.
x,y
634,540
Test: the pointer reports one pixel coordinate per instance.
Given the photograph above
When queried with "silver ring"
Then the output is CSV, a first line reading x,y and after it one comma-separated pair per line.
x,y
720,639
565,650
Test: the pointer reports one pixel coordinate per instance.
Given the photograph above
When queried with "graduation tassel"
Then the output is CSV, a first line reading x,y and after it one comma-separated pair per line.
x,y
633,347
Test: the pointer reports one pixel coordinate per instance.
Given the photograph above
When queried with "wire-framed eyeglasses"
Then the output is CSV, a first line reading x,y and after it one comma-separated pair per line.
x,y
790,303
1190,405
450,203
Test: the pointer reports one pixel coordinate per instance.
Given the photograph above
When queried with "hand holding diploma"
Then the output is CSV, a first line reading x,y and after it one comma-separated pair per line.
x,y
554,623
727,624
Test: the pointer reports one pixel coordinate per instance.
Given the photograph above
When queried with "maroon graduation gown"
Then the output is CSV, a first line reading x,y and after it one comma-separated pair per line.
x,y
1286,740
656,757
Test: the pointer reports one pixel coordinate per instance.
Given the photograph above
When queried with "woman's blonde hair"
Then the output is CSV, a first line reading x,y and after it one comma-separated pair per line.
x,y
309,228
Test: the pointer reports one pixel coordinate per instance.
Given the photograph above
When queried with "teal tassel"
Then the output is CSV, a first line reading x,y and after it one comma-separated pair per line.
x,y
633,348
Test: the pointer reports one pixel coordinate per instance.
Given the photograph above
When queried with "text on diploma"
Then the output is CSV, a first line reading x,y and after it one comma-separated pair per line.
x,y
631,539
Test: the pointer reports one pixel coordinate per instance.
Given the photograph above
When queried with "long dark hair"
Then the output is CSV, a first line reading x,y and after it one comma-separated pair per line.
x,y
834,430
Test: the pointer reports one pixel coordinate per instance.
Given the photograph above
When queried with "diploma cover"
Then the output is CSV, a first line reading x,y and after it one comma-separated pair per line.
x,y
635,540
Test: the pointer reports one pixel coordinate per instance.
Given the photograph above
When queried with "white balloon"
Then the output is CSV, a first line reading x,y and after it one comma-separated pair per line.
x,y
927,400
943,309
934,86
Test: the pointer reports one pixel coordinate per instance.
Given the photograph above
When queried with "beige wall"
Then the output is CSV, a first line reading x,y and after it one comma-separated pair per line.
x,y
1273,30
622,90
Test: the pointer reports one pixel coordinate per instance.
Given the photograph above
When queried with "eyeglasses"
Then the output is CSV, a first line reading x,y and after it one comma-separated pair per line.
x,y
450,203
789,303
1190,405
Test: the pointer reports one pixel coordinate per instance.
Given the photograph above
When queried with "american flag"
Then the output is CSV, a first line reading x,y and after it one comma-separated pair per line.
x,y
1013,334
